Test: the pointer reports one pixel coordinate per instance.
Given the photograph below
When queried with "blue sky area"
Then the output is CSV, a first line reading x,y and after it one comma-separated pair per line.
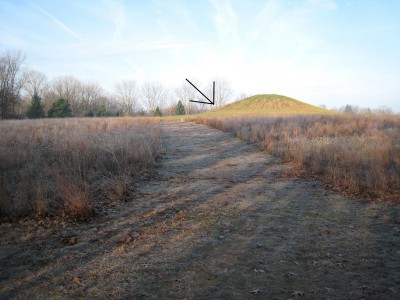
x,y
318,51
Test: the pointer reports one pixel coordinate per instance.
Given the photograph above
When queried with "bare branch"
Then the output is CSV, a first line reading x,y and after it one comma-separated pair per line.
x,y
11,81
35,83
127,96
153,95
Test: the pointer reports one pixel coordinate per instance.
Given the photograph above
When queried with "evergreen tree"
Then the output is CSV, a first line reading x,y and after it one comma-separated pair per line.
x,y
36,109
89,113
60,109
180,108
102,112
141,112
157,112
348,109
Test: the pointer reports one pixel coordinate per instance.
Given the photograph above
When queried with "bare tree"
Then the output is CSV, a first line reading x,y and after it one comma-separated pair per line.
x,y
35,83
127,96
384,110
11,82
153,95
68,88
185,93
223,91
90,95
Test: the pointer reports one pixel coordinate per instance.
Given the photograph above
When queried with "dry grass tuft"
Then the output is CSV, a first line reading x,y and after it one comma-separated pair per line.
x,y
54,165
354,153
76,196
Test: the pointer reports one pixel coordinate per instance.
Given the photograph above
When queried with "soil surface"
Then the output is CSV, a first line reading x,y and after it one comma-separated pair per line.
x,y
221,221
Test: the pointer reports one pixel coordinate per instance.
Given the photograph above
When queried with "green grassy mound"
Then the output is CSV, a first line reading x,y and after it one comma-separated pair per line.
x,y
268,104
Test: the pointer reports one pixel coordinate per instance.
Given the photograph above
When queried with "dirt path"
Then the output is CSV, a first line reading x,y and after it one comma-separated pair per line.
x,y
219,223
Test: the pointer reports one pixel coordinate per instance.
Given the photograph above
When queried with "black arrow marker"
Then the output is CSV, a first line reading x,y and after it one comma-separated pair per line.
x,y
210,102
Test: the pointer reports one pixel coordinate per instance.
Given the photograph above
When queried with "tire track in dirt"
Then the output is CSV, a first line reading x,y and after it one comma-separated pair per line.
x,y
220,222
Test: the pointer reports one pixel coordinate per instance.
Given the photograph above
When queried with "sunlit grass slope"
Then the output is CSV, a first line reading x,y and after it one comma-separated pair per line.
x,y
268,104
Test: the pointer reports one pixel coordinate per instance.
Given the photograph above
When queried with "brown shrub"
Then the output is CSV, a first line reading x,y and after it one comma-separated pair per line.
x,y
76,196
88,152
357,153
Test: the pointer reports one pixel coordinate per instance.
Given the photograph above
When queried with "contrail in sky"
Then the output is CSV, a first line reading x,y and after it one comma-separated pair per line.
x,y
58,22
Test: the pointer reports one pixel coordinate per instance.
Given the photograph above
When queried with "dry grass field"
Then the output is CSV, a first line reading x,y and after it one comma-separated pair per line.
x,y
219,221
69,166
182,210
359,154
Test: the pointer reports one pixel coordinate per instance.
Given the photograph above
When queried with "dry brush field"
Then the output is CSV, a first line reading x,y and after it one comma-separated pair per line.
x,y
70,167
358,154
219,219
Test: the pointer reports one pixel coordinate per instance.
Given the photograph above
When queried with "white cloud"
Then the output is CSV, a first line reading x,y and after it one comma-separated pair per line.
x,y
225,21
116,13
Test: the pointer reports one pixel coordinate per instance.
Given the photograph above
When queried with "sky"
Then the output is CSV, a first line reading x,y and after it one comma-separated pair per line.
x,y
323,52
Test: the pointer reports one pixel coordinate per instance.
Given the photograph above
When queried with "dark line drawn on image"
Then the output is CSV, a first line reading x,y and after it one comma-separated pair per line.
x,y
210,102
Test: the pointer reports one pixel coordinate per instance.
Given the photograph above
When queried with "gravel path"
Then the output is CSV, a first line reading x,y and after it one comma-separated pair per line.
x,y
222,220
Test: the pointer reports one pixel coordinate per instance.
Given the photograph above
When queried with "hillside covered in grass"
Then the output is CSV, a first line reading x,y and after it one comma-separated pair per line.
x,y
268,104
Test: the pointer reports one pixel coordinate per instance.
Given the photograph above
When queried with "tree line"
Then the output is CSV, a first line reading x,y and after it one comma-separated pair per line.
x,y
356,110
30,93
